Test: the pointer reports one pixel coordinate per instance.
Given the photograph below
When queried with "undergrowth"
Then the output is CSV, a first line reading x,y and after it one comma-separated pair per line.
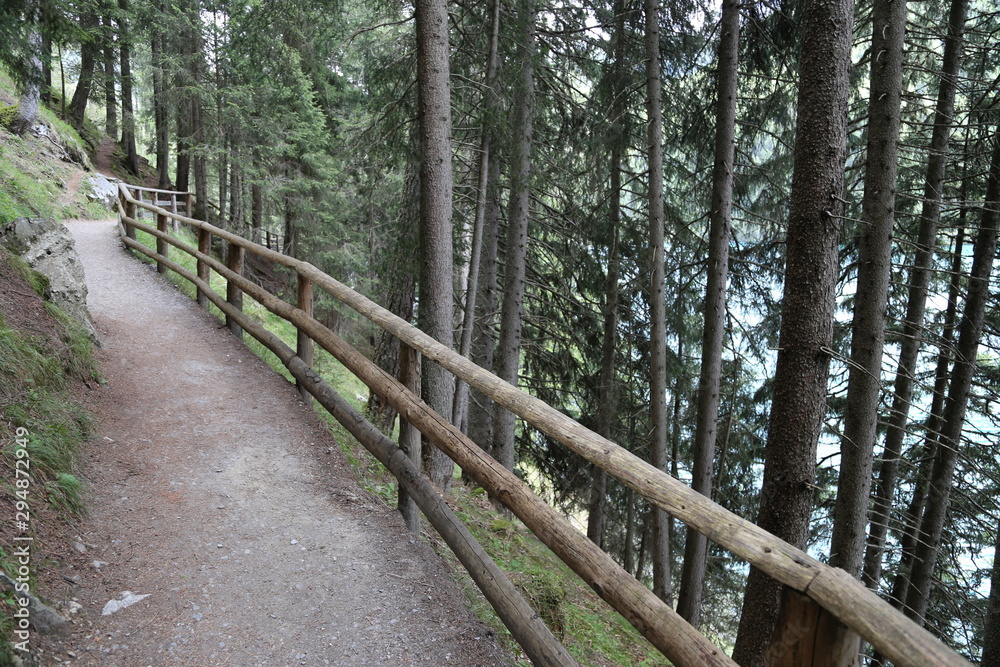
x,y
591,631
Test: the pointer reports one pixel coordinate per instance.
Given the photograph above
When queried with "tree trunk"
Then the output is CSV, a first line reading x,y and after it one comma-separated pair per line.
x,y
991,632
235,191
662,585
110,98
199,161
919,279
160,116
183,180
88,58
696,544
291,240
606,392
185,101
257,209
511,311
31,91
46,69
629,559
436,266
225,187
953,419
128,118
864,387
480,422
400,296
932,428
491,103
800,384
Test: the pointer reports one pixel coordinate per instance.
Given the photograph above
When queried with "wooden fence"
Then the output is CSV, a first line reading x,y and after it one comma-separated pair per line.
x,y
168,199
826,611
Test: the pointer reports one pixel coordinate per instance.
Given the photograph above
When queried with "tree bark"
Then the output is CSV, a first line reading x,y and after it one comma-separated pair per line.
x,y
919,279
480,422
110,98
811,270
88,58
161,117
696,544
953,419
864,387
31,91
662,585
291,241
199,161
128,117
436,265
46,69
511,311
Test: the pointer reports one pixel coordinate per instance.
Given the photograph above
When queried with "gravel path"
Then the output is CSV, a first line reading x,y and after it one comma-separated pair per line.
x,y
215,491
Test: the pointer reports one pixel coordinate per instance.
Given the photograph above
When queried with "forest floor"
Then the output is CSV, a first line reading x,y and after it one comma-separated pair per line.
x,y
218,493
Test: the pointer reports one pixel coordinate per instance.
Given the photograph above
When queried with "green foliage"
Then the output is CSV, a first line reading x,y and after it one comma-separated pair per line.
x,y
7,114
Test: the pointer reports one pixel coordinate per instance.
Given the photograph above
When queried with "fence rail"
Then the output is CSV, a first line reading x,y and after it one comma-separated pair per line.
x,y
835,598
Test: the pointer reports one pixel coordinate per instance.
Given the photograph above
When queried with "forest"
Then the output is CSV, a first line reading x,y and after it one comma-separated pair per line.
x,y
750,242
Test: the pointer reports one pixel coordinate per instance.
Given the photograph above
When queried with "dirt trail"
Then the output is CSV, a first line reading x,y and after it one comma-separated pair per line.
x,y
218,493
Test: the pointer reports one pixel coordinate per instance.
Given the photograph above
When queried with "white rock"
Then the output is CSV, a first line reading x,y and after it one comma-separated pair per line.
x,y
127,600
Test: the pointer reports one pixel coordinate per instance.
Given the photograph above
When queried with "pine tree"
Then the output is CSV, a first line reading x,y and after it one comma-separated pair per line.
x,y
800,381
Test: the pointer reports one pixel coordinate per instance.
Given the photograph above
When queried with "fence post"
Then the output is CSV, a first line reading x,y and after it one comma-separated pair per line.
x,y
807,634
173,203
130,209
304,344
234,295
205,248
187,204
409,436
162,247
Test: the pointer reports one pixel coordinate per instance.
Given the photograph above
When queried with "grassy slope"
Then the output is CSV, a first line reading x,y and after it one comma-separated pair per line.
x,y
43,362
44,356
591,631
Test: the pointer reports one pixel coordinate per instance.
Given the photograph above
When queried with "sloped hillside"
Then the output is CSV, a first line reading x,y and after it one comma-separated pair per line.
x,y
41,172
47,365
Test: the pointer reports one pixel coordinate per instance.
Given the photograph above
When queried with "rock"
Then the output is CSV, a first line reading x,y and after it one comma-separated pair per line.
x,y
103,190
127,600
48,248
43,617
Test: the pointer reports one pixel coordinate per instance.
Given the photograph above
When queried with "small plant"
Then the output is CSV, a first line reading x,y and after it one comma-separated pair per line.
x,y
7,114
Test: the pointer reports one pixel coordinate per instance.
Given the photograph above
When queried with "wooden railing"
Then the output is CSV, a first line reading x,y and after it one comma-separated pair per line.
x,y
168,199
842,608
